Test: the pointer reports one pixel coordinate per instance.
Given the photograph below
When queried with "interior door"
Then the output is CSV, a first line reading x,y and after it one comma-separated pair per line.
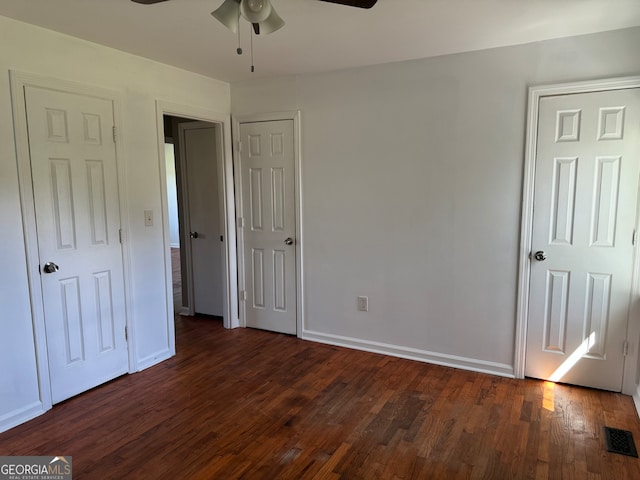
x,y
269,228
586,188
75,184
199,143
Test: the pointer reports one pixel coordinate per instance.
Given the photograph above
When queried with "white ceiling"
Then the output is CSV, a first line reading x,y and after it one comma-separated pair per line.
x,y
320,36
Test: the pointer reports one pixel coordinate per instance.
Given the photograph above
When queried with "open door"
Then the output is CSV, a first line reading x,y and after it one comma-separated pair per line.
x,y
199,151
198,267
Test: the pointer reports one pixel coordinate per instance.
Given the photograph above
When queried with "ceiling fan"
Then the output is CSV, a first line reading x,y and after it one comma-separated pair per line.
x,y
259,13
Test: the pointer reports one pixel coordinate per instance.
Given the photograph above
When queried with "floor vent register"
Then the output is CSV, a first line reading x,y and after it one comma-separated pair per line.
x,y
620,441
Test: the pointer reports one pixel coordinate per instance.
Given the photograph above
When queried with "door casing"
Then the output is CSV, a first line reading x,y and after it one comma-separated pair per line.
x,y
528,191
19,81
299,244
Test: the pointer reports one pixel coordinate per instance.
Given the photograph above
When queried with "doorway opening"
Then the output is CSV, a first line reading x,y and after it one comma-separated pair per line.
x,y
195,211
171,118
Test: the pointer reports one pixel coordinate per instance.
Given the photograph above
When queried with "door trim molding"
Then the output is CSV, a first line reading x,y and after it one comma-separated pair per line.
x,y
524,264
225,166
18,81
293,115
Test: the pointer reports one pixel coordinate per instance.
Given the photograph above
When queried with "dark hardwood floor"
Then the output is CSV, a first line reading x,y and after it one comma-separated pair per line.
x,y
257,405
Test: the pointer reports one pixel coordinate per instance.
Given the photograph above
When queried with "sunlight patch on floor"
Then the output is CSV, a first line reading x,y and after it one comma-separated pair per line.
x,y
548,396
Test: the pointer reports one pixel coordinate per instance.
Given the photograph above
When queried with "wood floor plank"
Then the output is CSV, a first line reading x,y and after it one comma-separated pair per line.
x,y
248,404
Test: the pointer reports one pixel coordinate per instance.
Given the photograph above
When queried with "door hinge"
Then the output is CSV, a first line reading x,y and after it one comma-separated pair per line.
x,y
243,295
239,146
625,348
120,235
114,130
240,222
634,235
126,333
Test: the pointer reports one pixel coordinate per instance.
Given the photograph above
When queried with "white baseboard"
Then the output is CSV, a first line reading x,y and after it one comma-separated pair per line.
x,y
464,363
636,399
21,415
154,359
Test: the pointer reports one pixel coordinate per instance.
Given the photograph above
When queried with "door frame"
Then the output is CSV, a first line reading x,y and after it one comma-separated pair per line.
x,y
18,81
293,115
225,179
536,93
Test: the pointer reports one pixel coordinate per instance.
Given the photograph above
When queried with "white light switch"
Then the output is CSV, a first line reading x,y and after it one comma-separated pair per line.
x,y
148,218
363,304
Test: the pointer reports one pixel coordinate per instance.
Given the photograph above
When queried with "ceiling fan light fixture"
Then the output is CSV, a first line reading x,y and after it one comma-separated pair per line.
x,y
259,13
228,14
255,11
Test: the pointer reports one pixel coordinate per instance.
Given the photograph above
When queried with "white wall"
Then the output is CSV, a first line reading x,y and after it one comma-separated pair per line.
x,y
412,182
140,82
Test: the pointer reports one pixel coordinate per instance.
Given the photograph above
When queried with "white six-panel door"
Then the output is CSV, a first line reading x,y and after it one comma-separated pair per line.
x,y
267,170
73,163
586,192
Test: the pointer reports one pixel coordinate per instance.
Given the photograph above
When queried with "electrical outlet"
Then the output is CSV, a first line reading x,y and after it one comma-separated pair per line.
x,y
148,218
363,304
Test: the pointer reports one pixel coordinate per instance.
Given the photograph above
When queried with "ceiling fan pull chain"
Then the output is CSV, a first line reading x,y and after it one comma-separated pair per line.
x,y
253,69
239,49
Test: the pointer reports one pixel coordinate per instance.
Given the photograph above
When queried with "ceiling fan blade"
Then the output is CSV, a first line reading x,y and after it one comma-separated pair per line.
x,y
228,14
148,2
354,3
272,23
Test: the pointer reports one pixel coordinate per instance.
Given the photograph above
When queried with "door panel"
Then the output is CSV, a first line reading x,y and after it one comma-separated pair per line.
x,y
200,147
267,167
587,171
74,172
